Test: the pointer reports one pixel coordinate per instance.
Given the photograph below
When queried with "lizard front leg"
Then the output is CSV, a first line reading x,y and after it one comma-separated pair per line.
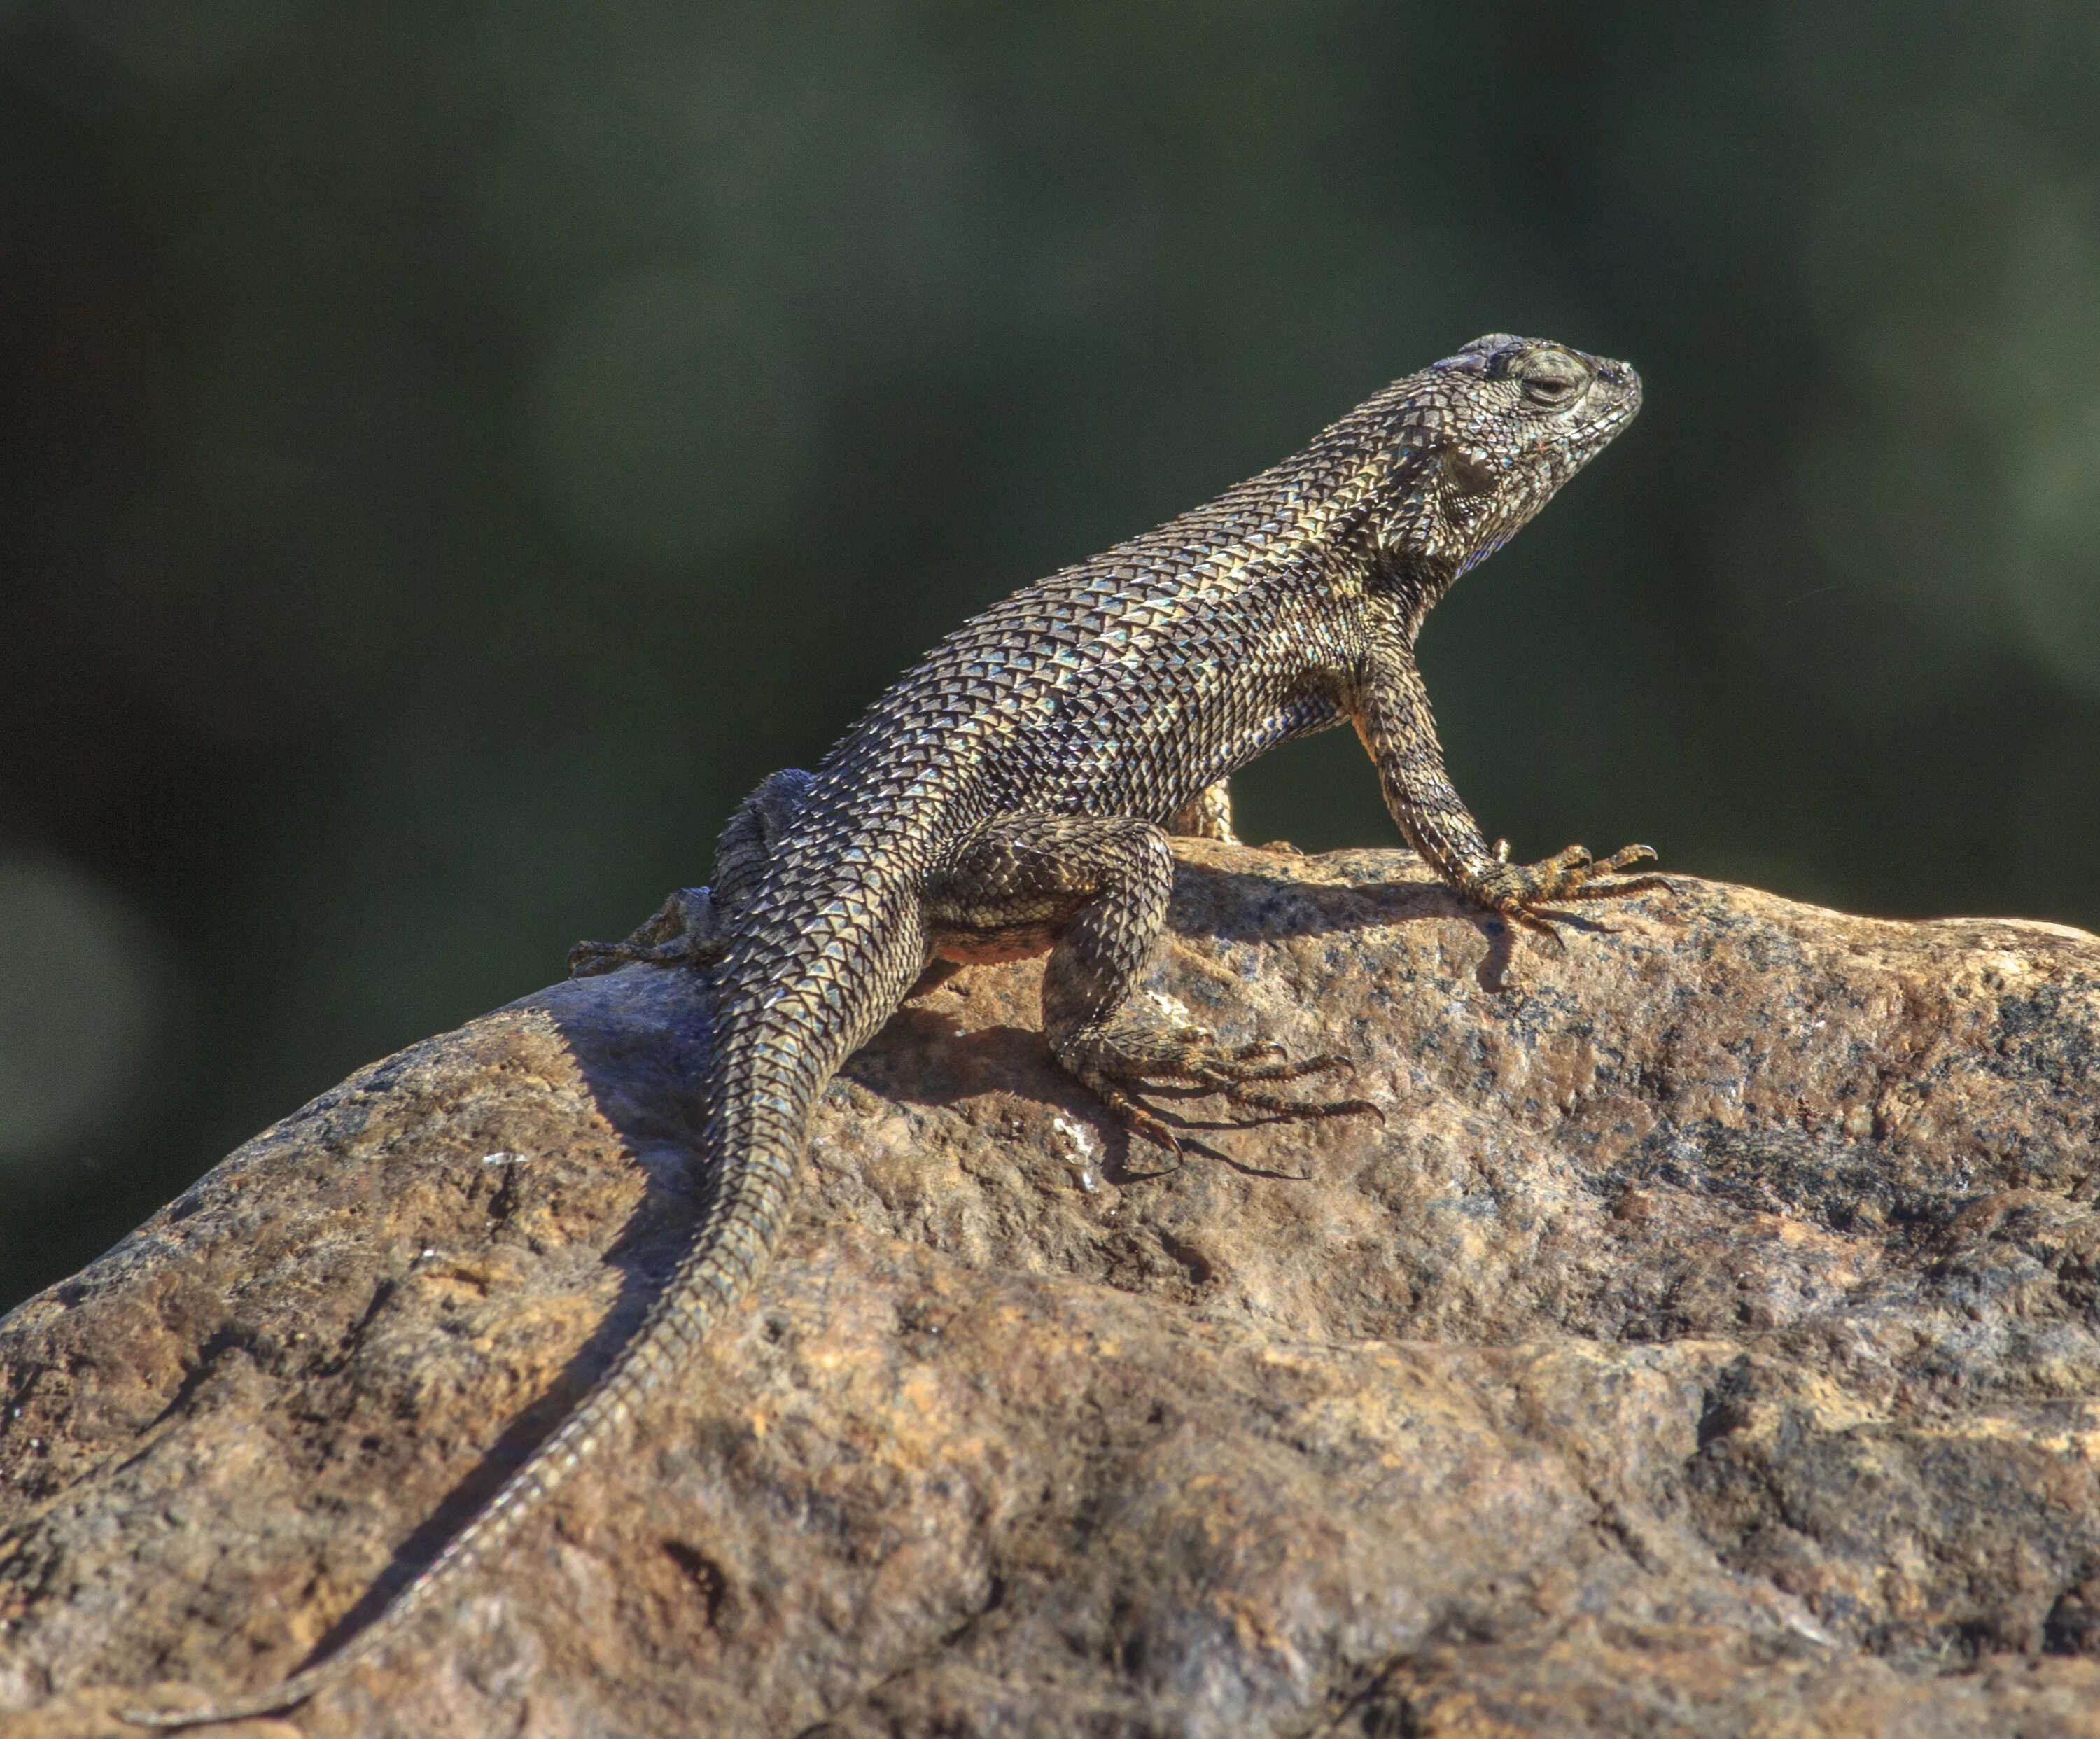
x,y
1391,711
1093,890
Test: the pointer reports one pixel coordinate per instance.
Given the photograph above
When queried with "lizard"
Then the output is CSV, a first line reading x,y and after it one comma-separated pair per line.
x,y
1010,796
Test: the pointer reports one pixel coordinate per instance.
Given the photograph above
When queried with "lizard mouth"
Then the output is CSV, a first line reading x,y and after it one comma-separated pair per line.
x,y
1620,400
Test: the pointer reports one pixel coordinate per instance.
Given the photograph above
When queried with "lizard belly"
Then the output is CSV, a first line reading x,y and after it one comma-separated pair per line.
x,y
990,936
1166,776
1150,773
995,947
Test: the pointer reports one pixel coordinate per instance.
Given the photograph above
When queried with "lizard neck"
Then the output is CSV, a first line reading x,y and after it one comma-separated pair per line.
x,y
1406,588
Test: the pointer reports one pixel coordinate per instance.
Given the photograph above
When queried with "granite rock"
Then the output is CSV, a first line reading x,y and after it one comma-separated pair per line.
x,y
1707,1343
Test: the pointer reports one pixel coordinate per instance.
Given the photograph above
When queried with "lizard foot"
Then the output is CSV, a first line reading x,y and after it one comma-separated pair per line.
x,y
685,930
1135,1051
1520,891
691,928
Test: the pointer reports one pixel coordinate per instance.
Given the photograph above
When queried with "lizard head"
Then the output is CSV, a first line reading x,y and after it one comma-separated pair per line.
x,y
1480,441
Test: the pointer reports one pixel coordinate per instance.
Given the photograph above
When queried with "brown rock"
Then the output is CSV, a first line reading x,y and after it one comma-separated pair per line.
x,y
1705,1344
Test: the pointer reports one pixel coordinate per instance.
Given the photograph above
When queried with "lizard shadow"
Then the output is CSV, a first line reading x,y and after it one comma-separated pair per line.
x,y
1244,905
925,1057
640,1039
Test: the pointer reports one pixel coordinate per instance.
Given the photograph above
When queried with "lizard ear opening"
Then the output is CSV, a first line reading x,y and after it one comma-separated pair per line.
x,y
1470,471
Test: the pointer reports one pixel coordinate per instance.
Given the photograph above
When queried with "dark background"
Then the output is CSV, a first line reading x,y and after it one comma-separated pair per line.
x,y
449,452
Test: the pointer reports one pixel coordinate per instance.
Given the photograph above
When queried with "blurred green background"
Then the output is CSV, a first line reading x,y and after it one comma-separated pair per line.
x,y
448,453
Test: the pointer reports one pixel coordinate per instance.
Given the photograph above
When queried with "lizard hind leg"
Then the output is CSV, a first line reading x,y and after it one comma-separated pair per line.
x,y
691,927
1094,890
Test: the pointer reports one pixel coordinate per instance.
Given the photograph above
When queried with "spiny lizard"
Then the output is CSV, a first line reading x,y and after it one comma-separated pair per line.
x,y
1010,796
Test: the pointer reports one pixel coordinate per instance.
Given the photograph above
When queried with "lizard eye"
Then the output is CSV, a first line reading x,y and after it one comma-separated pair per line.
x,y
1550,377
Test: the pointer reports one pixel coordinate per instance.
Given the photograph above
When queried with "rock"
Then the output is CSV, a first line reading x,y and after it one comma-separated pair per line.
x,y
1706,1344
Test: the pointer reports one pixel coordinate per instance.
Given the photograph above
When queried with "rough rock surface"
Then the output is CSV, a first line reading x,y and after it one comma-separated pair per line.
x,y
1706,1343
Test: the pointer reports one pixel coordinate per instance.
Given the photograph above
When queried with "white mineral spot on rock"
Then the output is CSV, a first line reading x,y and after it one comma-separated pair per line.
x,y
1081,1148
1172,1005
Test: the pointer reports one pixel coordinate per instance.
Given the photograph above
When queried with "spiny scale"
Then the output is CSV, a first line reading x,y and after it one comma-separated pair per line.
x,y
1008,795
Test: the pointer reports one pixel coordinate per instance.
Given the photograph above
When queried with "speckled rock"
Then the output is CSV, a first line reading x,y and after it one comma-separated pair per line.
x,y
1707,1343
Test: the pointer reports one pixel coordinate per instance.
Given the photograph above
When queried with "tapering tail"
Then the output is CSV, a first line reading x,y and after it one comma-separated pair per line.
x,y
773,1054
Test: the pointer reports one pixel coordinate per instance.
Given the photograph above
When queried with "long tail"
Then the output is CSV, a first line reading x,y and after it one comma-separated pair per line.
x,y
772,1057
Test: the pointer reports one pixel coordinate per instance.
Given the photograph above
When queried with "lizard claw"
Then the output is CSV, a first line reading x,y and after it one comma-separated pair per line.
x,y
1520,892
1624,857
1123,1058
